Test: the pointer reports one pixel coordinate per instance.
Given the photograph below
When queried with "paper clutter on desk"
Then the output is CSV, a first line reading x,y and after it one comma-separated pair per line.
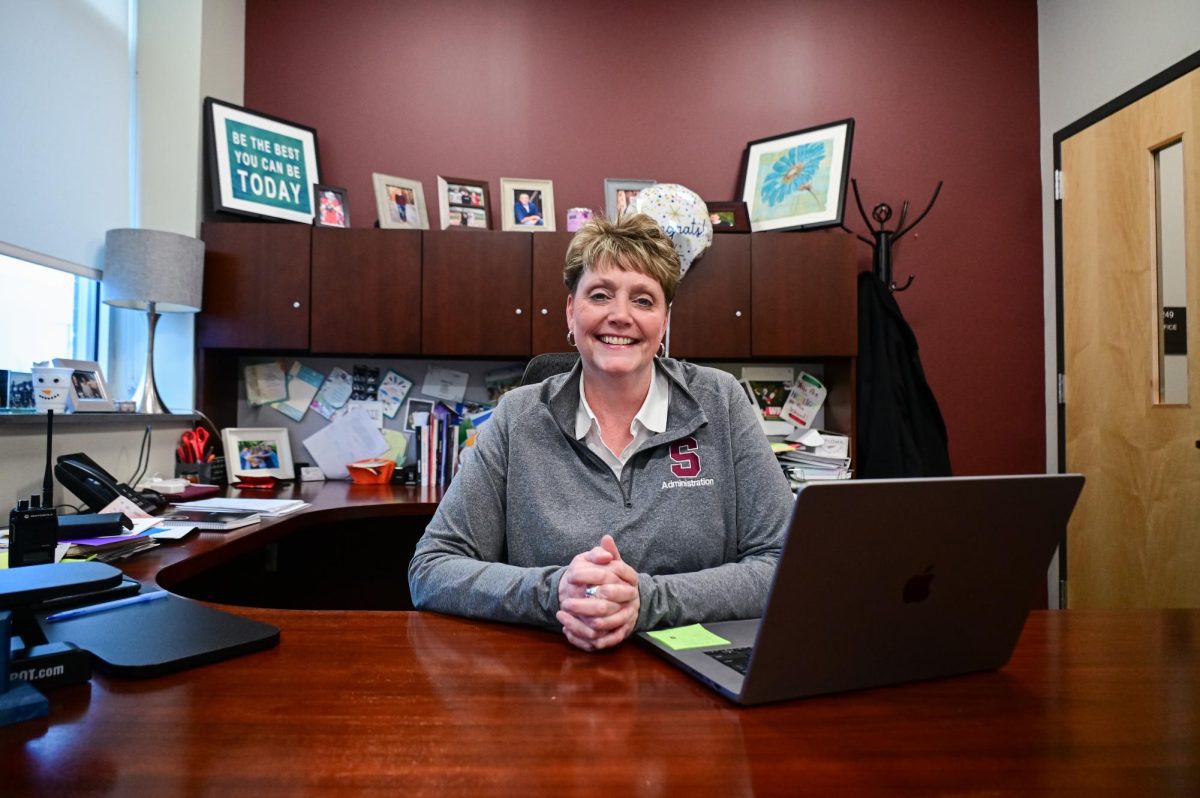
x,y
255,483
167,487
373,471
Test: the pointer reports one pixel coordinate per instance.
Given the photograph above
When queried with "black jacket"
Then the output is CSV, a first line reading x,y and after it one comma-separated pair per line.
x,y
900,428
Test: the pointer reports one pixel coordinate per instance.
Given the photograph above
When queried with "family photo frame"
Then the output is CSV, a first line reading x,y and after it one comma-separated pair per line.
x,y
333,209
464,204
620,195
527,205
728,217
400,203
258,452
260,165
87,392
797,180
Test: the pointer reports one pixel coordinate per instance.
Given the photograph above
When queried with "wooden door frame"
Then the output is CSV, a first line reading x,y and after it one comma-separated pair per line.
x,y
1143,89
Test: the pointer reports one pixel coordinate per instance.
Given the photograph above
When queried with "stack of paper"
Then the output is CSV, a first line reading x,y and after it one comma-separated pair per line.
x,y
267,508
107,549
814,455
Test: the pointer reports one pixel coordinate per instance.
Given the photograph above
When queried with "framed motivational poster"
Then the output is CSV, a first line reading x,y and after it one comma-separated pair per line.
x,y
259,165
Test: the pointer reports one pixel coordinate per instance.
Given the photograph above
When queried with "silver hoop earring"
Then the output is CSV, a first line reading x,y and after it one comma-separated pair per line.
x,y
570,338
662,349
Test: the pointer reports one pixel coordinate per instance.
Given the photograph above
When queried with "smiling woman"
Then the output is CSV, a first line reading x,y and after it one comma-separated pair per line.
x,y
634,492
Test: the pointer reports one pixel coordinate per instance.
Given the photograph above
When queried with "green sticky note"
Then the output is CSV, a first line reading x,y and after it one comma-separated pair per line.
x,y
685,637
397,444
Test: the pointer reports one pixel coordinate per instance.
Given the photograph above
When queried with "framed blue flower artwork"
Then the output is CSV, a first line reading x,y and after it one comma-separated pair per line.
x,y
797,180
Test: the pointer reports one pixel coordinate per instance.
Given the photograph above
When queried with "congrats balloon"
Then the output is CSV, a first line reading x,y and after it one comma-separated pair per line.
x,y
682,215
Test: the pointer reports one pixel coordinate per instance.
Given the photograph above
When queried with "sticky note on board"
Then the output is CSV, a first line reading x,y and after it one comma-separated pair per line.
x,y
682,638
397,445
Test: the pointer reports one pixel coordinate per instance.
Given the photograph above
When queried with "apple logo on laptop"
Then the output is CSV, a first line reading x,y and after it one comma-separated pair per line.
x,y
916,589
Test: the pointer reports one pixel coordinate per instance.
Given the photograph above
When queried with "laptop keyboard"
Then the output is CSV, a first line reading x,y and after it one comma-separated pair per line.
x,y
736,658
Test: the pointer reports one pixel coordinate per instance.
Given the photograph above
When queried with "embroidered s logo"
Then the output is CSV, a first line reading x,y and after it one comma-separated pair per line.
x,y
685,462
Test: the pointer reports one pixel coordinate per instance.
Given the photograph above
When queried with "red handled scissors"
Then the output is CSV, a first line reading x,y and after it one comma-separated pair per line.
x,y
195,444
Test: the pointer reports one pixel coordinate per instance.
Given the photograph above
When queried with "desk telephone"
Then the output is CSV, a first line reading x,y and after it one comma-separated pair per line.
x,y
82,476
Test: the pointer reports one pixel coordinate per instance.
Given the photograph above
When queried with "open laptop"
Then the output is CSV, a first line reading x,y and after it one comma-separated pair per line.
x,y
887,581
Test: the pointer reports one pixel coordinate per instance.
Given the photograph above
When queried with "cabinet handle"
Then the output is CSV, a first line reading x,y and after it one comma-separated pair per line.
x,y
737,313
295,304
519,311
544,311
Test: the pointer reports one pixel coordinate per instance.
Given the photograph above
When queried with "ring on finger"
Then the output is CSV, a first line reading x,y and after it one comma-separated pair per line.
x,y
591,590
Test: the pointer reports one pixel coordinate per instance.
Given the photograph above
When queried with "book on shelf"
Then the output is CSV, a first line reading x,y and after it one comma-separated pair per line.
x,y
221,520
438,444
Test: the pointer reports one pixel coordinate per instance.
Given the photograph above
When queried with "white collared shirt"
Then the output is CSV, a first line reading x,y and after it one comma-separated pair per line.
x,y
650,419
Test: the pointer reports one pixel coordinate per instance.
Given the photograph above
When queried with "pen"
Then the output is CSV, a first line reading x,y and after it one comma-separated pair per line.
x,y
108,605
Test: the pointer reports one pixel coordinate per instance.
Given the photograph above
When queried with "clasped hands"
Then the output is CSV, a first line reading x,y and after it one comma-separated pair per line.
x,y
607,613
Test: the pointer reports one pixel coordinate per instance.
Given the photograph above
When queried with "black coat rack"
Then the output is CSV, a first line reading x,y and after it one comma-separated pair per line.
x,y
881,261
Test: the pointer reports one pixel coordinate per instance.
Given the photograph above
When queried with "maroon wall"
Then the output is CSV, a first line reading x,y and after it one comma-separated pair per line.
x,y
579,91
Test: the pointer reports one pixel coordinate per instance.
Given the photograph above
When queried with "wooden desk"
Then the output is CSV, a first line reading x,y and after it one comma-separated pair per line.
x,y
419,704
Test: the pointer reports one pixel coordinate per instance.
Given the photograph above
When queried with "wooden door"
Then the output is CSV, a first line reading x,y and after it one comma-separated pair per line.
x,y
366,291
711,313
256,286
475,293
549,323
1134,539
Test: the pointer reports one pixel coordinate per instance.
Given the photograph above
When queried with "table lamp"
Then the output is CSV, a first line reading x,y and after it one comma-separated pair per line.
x,y
157,272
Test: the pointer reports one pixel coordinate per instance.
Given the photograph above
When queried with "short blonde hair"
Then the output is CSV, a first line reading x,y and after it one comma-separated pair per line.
x,y
634,242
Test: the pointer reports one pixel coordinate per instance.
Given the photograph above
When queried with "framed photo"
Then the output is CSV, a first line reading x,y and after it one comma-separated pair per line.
x,y
620,195
16,389
798,180
332,208
258,452
400,203
88,392
414,407
728,217
465,204
259,165
527,205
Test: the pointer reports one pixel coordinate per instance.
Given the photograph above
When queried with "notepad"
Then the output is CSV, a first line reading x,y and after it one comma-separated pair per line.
x,y
208,519
682,638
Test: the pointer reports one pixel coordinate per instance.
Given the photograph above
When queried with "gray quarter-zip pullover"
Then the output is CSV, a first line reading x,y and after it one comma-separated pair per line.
x,y
700,510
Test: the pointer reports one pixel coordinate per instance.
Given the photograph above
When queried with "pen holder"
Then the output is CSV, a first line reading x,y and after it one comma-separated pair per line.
x,y
203,473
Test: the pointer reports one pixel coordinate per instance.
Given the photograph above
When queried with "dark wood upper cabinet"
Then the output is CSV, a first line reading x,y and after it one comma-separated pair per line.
x,y
475,293
256,286
711,313
366,290
549,323
804,289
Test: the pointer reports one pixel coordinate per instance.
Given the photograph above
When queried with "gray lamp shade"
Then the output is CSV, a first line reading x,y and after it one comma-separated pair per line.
x,y
144,266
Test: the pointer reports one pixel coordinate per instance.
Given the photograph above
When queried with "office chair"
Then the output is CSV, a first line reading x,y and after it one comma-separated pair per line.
x,y
547,365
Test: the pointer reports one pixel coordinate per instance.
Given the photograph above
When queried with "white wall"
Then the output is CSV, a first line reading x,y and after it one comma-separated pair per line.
x,y
1089,53
112,442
